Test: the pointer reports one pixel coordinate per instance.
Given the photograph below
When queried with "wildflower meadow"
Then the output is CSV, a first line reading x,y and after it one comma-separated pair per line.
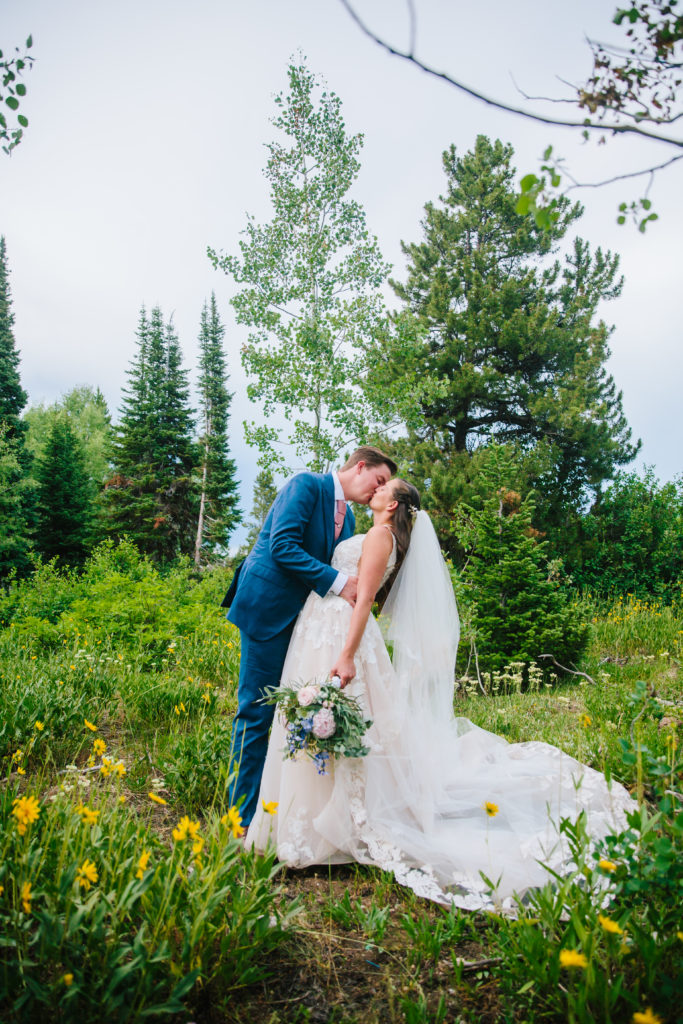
x,y
125,893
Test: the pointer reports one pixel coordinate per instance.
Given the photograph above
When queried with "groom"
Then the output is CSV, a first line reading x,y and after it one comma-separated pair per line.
x,y
291,557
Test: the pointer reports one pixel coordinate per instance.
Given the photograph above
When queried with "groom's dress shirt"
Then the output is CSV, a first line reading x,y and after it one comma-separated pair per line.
x,y
342,578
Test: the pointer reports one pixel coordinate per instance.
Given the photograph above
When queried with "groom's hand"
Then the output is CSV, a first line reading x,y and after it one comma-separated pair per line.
x,y
350,590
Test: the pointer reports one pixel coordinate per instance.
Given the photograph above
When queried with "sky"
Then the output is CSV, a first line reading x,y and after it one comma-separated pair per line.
x,y
148,120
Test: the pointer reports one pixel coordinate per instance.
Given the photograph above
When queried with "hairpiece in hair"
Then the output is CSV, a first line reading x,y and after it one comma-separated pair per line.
x,y
413,511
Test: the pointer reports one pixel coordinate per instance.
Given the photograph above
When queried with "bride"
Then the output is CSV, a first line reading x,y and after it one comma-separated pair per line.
x,y
437,801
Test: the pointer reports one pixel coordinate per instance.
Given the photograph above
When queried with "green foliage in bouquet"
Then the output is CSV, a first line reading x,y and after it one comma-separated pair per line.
x,y
322,721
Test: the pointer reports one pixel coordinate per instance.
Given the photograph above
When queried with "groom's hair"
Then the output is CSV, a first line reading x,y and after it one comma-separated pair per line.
x,y
371,457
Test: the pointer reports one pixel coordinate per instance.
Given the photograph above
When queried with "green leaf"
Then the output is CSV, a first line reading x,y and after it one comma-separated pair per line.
x,y
528,182
548,153
12,102
21,89
23,121
29,42
523,204
645,203
555,180
621,219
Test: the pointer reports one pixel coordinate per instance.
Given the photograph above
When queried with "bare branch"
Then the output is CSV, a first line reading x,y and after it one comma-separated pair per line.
x,y
621,177
571,671
587,124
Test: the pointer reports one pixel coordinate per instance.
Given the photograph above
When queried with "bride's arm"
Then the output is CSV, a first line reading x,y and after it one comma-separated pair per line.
x,y
377,548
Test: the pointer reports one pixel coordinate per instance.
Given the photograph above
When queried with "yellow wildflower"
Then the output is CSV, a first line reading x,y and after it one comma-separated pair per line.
x,y
86,874
88,815
122,799
186,829
17,755
26,810
68,979
99,746
647,1017
679,936
270,807
119,769
39,726
106,767
585,720
572,958
233,820
21,771
90,725
491,809
2,889
142,863
26,897
206,697
198,846
609,925
156,799
607,865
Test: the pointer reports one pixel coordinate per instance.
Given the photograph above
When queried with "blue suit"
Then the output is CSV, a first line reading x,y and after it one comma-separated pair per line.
x,y
290,558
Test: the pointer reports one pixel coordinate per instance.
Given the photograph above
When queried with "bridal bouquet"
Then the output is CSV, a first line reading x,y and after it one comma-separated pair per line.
x,y
321,720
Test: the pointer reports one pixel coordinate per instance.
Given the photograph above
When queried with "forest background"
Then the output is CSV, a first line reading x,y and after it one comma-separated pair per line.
x,y
482,361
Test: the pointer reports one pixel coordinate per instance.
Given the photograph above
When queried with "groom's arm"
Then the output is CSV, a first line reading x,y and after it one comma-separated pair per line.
x,y
294,506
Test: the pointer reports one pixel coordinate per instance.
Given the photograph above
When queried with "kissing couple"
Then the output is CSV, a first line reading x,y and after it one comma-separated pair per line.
x,y
437,801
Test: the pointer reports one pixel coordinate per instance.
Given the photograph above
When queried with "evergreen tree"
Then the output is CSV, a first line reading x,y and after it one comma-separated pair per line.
x,y
519,610
265,493
152,494
219,513
65,496
16,507
511,337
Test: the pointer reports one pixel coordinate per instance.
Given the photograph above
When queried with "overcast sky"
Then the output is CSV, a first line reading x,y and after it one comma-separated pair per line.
x,y
148,120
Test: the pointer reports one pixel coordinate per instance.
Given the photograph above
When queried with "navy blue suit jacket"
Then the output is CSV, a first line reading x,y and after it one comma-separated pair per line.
x,y
290,558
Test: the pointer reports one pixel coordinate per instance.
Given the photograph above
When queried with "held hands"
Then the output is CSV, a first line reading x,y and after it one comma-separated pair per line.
x,y
344,669
350,590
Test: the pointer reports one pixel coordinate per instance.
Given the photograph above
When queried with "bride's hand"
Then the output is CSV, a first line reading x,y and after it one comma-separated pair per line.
x,y
345,669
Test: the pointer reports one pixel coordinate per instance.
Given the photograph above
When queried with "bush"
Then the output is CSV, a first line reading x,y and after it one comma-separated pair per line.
x,y
101,921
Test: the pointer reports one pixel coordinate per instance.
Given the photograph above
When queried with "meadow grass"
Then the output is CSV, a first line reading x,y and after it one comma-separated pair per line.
x,y
117,688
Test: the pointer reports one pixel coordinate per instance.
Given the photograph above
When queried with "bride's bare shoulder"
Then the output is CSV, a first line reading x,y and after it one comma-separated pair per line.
x,y
379,537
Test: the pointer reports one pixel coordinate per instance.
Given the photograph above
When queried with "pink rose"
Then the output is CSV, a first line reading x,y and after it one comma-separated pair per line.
x,y
307,694
324,724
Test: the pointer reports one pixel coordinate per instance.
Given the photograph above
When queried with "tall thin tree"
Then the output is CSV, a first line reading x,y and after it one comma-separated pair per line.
x,y
219,511
17,507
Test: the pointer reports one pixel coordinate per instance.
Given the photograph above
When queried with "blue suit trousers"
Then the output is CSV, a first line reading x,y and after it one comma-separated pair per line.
x,y
261,663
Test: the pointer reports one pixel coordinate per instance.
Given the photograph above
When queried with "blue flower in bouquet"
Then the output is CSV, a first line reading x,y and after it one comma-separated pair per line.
x,y
320,761
307,723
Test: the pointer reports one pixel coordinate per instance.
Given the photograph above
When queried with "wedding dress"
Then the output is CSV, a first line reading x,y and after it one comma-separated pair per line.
x,y
415,804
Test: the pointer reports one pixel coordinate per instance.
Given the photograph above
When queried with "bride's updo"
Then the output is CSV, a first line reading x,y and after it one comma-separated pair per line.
x,y
408,505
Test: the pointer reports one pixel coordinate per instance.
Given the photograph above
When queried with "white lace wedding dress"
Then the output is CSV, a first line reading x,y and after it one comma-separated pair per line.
x,y
415,805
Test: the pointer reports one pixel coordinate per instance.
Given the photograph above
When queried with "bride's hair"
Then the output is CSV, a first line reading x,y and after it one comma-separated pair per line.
x,y
408,505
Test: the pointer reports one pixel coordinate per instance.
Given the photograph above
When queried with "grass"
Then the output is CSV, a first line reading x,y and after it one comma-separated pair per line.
x,y
150,663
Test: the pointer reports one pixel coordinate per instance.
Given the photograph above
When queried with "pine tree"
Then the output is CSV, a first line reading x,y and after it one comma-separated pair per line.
x,y
65,497
520,612
16,506
219,513
511,336
152,494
